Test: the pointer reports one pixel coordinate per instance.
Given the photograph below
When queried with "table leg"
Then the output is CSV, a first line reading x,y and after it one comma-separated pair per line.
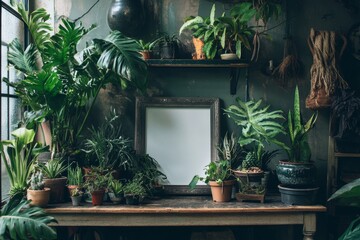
x,y
309,226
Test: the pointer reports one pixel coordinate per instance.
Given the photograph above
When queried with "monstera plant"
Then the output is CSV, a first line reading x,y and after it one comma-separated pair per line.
x,y
20,221
63,81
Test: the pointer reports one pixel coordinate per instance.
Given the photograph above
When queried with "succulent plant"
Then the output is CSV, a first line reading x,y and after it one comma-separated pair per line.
x,y
37,181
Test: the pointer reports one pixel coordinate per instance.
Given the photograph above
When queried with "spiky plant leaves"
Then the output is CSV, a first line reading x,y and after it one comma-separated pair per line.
x,y
191,22
23,61
20,221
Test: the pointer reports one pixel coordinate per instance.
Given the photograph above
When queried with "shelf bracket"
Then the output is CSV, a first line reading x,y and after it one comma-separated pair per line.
x,y
234,79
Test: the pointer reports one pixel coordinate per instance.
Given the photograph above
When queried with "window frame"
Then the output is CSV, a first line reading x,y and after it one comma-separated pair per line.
x,y
8,96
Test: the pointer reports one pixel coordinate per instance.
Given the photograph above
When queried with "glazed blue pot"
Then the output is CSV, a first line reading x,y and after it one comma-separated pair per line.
x,y
296,174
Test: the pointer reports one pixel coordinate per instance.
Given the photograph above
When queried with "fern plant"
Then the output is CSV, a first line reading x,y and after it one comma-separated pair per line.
x,y
21,221
258,125
67,82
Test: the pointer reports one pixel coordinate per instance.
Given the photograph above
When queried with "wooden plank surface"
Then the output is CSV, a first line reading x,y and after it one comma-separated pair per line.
x,y
175,204
196,63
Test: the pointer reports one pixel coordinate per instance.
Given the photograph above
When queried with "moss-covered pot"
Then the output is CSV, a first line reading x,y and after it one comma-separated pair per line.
x,y
296,173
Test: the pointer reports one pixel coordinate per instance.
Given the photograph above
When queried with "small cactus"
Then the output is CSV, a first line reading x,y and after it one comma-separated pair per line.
x,y
250,161
36,181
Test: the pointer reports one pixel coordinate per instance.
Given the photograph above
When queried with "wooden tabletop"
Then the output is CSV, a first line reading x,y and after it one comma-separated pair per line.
x,y
187,204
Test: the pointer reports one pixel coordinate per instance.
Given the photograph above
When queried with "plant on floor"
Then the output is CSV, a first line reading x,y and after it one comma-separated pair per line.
x,y
258,126
20,221
19,156
348,195
66,84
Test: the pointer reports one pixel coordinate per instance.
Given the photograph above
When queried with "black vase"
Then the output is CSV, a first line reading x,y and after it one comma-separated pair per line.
x,y
126,16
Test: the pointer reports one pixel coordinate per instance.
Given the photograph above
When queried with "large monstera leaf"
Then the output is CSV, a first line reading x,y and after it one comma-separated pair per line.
x,y
120,54
20,221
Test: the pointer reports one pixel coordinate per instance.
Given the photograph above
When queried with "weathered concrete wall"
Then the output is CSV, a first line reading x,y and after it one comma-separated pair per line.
x,y
168,15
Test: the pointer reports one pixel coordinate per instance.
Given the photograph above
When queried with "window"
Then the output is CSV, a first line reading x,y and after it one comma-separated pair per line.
x,y
11,27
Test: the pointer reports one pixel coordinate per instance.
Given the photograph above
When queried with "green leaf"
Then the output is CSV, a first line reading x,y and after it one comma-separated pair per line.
x,y
348,191
212,14
353,231
20,221
297,116
121,55
24,61
194,21
194,181
24,136
238,49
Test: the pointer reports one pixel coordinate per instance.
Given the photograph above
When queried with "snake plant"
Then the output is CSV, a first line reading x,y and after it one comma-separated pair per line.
x,y
298,149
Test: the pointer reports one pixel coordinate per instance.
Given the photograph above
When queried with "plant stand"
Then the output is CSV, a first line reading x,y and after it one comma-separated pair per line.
x,y
250,197
298,196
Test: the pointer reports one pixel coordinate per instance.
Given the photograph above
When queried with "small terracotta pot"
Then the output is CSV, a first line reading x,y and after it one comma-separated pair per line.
x,y
97,197
39,197
57,186
221,192
146,54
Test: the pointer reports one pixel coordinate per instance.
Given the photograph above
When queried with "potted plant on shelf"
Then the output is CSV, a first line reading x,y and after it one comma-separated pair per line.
x,y
234,31
75,178
134,190
96,183
258,127
76,196
116,191
19,156
168,46
297,174
66,85
147,47
53,170
203,30
37,193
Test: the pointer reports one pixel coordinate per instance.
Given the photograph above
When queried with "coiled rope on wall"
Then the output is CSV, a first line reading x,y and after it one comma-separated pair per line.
x,y
325,76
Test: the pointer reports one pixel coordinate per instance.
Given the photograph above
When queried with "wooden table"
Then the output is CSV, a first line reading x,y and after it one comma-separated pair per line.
x,y
189,211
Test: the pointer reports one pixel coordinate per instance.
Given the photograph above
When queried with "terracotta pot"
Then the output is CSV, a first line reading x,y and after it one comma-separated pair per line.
x,y
198,44
221,192
57,186
39,198
254,179
146,54
97,197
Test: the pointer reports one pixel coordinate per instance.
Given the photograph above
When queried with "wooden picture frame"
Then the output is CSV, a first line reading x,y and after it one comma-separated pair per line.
x,y
182,134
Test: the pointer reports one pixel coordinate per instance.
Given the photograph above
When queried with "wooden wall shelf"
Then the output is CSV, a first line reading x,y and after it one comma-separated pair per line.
x,y
234,65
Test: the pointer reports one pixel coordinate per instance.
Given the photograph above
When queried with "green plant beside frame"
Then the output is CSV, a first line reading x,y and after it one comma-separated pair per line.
x,y
107,148
68,82
19,156
134,190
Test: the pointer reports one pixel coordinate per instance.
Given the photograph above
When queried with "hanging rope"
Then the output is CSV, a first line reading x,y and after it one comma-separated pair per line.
x,y
325,76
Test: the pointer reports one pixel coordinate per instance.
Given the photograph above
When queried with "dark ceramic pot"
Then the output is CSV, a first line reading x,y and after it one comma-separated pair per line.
x,y
298,196
296,174
57,189
126,16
